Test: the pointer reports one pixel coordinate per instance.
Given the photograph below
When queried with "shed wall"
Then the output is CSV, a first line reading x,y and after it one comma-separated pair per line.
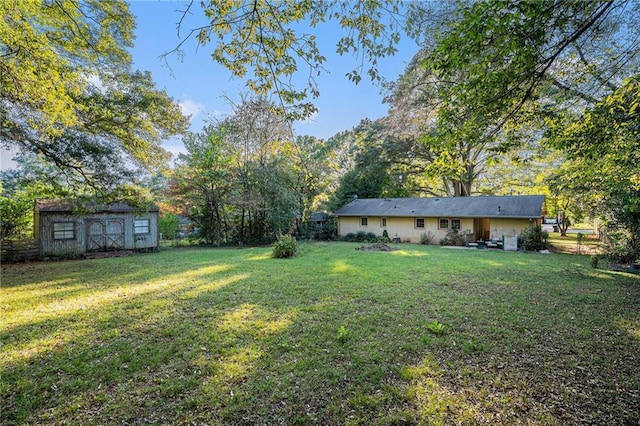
x,y
99,231
49,246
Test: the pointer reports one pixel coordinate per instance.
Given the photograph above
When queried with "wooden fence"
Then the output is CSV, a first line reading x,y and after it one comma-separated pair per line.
x,y
19,250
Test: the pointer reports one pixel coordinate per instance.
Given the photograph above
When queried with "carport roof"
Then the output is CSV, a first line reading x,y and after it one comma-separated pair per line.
x,y
510,206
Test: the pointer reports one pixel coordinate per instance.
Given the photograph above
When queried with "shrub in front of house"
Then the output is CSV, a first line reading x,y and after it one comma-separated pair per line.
x,y
285,247
361,237
453,238
426,237
371,237
534,238
350,237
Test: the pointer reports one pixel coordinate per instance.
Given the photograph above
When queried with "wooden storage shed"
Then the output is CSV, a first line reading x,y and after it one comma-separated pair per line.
x,y
64,229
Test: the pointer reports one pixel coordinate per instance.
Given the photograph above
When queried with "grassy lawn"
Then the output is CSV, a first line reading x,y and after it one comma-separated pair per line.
x,y
570,244
421,335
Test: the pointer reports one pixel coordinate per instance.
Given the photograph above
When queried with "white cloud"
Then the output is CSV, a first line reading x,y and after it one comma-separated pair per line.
x,y
175,146
176,151
192,108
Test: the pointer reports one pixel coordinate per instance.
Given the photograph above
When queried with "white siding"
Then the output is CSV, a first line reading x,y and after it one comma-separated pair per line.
x,y
405,229
508,227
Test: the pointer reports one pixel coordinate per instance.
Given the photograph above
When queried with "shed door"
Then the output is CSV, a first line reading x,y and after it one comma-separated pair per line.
x,y
96,236
115,234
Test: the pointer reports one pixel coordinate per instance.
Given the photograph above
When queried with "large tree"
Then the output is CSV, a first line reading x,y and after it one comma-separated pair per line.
x,y
68,93
241,179
261,138
490,70
203,182
603,147
378,169
315,166
450,162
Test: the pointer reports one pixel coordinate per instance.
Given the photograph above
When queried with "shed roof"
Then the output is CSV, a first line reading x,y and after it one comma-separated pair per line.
x,y
511,206
73,206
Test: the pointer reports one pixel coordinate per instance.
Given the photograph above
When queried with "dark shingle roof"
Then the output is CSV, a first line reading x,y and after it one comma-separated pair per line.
x,y
512,206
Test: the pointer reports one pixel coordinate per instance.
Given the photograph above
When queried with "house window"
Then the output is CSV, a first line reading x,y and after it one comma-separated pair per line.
x,y
446,223
64,231
363,221
383,222
420,222
141,226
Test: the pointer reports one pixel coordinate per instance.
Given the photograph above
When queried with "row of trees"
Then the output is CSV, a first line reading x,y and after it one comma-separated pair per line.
x,y
525,96
237,180
496,80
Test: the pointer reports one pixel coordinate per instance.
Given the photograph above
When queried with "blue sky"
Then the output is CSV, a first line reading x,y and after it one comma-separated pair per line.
x,y
198,83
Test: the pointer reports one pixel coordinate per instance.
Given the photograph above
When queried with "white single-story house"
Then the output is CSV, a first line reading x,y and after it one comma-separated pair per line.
x,y
481,217
64,229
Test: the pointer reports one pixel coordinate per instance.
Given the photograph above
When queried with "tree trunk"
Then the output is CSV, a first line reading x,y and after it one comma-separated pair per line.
x,y
241,233
563,224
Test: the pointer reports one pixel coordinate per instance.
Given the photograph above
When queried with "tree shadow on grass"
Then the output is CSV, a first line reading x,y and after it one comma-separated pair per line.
x,y
539,353
240,344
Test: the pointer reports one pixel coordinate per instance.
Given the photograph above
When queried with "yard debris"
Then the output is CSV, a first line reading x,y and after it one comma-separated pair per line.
x,y
376,247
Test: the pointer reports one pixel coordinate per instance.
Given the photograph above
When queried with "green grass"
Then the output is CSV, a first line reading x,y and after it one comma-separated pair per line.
x,y
334,336
569,243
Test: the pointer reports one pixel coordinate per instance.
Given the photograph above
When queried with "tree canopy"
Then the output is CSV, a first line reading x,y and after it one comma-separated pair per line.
x,y
603,148
241,179
498,58
68,93
49,50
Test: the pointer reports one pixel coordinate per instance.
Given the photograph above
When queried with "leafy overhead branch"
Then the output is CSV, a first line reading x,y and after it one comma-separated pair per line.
x,y
260,41
504,55
48,49
67,92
